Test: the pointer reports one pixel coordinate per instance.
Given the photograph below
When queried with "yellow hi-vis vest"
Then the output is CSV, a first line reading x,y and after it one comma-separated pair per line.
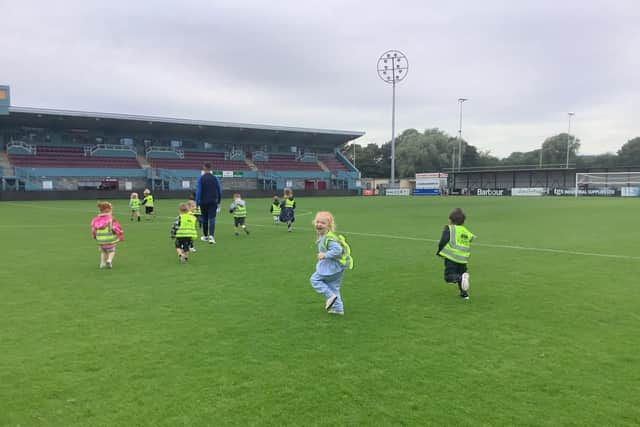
x,y
288,203
240,211
275,209
345,258
187,226
105,235
459,247
148,200
134,204
197,211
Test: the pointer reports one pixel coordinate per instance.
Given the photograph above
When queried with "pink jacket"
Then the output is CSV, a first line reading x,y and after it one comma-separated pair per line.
x,y
101,221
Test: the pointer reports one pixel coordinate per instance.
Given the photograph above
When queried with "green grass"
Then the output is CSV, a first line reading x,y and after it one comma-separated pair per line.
x,y
238,336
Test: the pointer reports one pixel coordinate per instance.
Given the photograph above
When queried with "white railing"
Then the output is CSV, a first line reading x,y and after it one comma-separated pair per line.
x,y
89,150
179,152
31,149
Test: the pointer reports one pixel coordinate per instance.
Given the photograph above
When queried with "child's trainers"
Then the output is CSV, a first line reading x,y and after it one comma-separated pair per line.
x,y
192,249
108,264
330,301
339,313
103,264
464,283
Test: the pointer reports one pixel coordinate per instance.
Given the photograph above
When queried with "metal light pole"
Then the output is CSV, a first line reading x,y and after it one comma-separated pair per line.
x,y
569,138
460,100
393,67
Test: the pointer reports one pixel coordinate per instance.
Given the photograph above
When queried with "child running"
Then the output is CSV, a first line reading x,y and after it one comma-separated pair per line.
x,y
455,248
239,210
192,210
134,205
148,204
107,231
332,260
275,210
184,231
288,206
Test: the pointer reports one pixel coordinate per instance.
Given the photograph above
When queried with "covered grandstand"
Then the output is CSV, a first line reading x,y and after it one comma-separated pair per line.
x,y
59,150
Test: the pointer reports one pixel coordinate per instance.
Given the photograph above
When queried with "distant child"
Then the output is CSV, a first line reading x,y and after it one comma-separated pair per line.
x,y
197,211
184,231
288,206
107,231
192,210
239,210
134,205
148,204
455,248
275,210
332,261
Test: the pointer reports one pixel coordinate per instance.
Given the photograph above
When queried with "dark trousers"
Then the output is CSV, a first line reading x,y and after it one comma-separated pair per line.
x,y
209,219
453,272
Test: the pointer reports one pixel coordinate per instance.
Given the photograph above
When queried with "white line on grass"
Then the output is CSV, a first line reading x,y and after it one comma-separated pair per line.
x,y
391,236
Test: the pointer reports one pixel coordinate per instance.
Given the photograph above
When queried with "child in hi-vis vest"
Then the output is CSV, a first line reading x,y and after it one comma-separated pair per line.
x,y
455,247
275,210
238,209
184,231
332,258
107,231
134,205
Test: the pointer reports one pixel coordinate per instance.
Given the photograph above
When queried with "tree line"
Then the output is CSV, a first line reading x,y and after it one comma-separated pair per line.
x,y
435,151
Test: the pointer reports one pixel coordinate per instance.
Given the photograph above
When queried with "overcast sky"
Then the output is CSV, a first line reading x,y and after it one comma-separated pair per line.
x,y
522,64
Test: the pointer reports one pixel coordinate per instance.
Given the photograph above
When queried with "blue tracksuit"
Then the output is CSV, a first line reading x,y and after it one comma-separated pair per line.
x,y
327,278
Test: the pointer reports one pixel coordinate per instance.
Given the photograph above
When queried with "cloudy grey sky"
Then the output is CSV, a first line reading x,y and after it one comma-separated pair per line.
x,y
522,64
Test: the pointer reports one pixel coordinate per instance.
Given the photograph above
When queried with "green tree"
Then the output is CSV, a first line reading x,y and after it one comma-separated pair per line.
x,y
554,149
629,153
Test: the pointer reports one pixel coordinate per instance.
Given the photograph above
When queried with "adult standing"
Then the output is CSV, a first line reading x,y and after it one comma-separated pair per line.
x,y
208,194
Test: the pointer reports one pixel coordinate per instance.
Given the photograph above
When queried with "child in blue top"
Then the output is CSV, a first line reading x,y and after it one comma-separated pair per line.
x,y
327,278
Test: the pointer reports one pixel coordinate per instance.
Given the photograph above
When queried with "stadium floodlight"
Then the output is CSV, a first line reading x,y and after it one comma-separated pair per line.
x,y
460,100
393,67
570,114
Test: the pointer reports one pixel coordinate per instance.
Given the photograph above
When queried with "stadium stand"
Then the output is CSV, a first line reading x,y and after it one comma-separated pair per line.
x,y
285,163
69,157
334,164
194,159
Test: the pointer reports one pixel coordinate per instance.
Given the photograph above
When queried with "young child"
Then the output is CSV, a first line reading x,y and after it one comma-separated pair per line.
x,y
184,231
107,231
239,210
134,205
332,261
192,210
197,211
275,210
455,248
148,204
288,206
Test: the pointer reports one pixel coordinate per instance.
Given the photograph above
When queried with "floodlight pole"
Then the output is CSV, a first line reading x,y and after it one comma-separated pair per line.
x,y
460,100
569,138
392,68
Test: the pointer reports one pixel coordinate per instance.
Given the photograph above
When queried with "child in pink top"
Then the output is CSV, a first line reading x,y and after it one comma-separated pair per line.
x,y
107,231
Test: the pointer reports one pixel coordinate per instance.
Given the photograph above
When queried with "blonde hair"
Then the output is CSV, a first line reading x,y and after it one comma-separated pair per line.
x,y
183,207
134,195
330,220
236,196
104,207
288,192
191,204
146,191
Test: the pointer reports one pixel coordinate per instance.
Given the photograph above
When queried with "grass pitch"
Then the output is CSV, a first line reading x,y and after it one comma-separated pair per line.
x,y
238,336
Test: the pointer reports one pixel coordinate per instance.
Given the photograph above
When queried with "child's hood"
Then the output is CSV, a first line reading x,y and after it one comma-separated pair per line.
x,y
101,221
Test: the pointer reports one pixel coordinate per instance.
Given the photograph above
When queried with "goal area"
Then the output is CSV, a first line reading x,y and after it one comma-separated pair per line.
x,y
606,183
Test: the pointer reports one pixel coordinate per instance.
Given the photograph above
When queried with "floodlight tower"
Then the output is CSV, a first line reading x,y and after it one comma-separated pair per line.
x,y
460,100
570,114
393,67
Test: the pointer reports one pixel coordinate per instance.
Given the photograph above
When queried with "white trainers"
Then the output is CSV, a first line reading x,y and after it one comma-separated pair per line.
x,y
464,283
339,313
212,240
204,238
192,249
330,301
103,264
108,264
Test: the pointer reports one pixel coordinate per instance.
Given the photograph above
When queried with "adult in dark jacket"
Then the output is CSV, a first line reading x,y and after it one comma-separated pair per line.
x,y
208,194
